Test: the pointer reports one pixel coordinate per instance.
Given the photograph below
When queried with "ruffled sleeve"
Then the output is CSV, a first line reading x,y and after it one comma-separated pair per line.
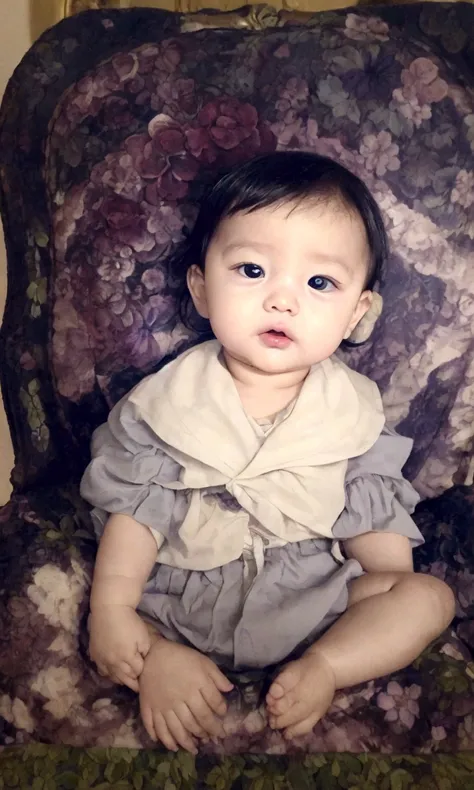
x,y
378,499
126,474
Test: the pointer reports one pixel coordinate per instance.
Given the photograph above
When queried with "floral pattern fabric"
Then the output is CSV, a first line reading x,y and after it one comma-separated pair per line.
x,y
110,128
50,691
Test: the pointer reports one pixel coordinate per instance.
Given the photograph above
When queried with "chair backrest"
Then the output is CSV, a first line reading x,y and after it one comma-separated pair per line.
x,y
111,125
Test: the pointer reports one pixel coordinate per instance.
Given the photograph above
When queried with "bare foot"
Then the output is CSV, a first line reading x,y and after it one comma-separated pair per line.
x,y
180,696
301,694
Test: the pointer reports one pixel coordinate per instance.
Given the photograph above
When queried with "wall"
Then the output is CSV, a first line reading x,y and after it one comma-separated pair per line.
x,y
14,41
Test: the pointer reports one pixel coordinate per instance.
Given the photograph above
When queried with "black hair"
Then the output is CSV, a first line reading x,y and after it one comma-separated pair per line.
x,y
279,178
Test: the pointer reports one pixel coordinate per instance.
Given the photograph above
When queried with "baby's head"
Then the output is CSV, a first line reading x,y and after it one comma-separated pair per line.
x,y
283,259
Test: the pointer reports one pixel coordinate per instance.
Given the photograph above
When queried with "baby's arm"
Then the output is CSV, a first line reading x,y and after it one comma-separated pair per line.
x,y
119,638
380,552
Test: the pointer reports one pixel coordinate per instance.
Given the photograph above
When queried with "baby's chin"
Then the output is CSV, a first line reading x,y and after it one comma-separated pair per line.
x,y
277,363
268,363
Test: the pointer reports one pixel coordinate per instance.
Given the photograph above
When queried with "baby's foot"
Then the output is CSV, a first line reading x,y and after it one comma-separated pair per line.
x,y
301,695
180,696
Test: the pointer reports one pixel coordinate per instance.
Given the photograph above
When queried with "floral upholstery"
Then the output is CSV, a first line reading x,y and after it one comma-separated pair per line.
x,y
110,128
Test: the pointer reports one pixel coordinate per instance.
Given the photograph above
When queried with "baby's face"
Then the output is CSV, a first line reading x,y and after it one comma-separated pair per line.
x,y
283,286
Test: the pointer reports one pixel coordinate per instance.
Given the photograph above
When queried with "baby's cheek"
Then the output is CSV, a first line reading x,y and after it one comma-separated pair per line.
x,y
323,338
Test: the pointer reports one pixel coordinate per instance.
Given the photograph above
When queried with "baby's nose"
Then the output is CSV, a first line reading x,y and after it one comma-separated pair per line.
x,y
283,300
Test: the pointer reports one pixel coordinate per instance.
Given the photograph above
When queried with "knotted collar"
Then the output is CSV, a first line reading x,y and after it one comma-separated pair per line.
x,y
289,482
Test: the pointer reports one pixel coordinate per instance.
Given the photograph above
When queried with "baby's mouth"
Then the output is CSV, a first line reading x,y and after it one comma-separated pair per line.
x,y
275,338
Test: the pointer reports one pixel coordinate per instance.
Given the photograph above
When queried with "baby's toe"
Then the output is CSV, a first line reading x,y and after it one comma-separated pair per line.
x,y
301,728
276,707
276,692
288,678
292,716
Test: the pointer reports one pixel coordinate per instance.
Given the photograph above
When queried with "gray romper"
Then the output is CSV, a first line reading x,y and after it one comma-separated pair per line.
x,y
259,609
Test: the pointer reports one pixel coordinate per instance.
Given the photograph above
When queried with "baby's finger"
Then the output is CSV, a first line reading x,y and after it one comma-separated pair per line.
x,y
179,733
144,645
163,733
133,666
189,721
222,683
214,699
205,717
148,723
125,680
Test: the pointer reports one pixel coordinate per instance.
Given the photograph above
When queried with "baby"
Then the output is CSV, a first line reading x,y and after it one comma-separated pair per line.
x,y
249,500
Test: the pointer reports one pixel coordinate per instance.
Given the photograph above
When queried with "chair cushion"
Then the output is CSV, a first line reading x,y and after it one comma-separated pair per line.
x,y
51,693
111,126
109,129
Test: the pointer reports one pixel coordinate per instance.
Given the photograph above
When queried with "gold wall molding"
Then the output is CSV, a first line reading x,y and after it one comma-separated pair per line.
x,y
45,13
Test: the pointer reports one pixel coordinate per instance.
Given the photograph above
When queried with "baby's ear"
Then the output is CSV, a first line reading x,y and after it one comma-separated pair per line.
x,y
197,289
364,328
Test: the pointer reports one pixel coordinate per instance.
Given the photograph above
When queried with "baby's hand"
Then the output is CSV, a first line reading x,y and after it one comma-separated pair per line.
x,y
181,696
119,641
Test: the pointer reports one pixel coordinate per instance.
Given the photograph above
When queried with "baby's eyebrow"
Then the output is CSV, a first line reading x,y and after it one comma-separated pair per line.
x,y
320,258
317,257
248,244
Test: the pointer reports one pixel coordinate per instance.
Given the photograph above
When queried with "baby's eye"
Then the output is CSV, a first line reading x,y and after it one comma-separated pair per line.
x,y
251,270
321,284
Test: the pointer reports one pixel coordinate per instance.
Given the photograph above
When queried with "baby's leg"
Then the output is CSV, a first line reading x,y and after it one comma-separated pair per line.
x,y
181,694
391,618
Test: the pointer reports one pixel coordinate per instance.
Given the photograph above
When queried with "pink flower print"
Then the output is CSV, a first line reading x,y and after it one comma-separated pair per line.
x,y
462,98
421,87
400,705
293,132
126,66
161,157
73,357
411,109
117,269
359,28
175,96
66,217
463,191
294,95
126,223
112,305
147,57
421,80
164,223
153,280
117,173
379,153
230,131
